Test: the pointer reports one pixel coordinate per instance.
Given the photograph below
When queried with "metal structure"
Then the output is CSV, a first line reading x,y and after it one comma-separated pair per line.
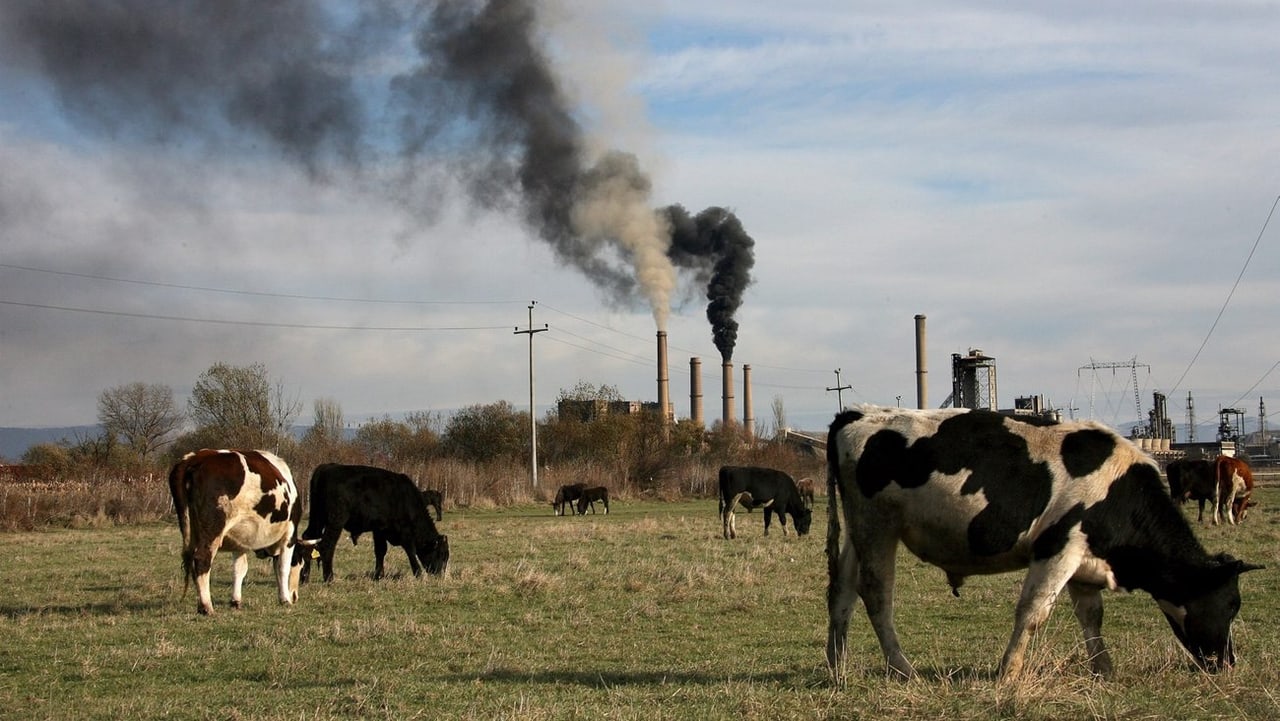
x,y
1229,429
839,389
1132,364
533,413
973,380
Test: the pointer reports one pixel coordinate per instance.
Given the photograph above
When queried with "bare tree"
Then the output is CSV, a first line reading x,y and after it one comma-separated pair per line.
x,y
239,405
779,414
328,422
143,415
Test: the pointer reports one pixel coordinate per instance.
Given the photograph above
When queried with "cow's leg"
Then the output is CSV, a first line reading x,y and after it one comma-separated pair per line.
x,y
1237,487
328,545
877,550
380,554
201,565
239,569
1040,589
283,565
1087,601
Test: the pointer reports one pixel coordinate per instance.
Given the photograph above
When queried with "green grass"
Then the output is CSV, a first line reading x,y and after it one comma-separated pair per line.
x,y
643,614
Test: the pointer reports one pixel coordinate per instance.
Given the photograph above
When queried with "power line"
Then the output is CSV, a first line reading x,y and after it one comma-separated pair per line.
x,y
259,324
1228,300
258,293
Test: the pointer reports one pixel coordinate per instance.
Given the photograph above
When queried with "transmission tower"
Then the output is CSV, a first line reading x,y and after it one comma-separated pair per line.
x,y
1132,364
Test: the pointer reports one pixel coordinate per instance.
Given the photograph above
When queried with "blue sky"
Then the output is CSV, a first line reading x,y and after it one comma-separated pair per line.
x,y
1054,185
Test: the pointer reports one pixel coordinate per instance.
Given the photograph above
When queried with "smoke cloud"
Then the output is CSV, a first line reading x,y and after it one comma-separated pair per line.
x,y
470,92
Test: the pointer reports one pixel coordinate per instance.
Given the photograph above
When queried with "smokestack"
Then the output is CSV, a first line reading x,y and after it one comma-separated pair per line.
x,y
695,390
922,375
748,413
664,390
726,375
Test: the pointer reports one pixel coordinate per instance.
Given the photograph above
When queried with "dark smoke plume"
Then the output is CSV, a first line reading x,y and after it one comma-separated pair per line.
x,y
717,248
477,98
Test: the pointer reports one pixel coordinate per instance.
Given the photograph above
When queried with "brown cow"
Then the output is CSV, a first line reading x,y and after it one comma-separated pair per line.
x,y
1235,489
805,486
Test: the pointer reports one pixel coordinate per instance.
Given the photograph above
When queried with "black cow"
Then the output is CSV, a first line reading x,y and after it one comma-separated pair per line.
x,y
754,487
565,497
976,492
363,499
434,499
590,496
1194,479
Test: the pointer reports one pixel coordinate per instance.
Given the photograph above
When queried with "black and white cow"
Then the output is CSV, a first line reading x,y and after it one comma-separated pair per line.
x,y
976,492
243,501
363,499
767,488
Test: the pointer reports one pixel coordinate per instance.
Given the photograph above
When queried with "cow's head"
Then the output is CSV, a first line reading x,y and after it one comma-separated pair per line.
x,y
1202,623
303,552
434,554
1242,505
802,520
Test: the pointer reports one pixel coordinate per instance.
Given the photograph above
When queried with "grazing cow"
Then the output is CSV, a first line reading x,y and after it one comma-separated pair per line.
x,y
364,498
805,485
975,492
566,496
754,487
1235,489
243,501
590,496
434,499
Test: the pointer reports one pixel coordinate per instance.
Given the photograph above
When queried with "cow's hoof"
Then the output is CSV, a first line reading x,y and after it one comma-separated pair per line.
x,y
235,604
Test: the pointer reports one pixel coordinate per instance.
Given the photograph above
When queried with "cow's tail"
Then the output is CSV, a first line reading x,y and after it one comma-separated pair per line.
x,y
842,567
178,487
722,488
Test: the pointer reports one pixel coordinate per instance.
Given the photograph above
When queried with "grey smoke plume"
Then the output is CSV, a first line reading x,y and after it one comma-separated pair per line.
x,y
478,98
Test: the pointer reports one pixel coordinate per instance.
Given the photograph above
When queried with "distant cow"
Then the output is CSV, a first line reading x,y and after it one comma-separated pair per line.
x,y
590,496
434,499
566,496
805,485
1192,479
243,501
363,499
1235,489
754,487
976,492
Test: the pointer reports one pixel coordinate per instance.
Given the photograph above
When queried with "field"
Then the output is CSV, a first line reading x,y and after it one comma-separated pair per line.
x,y
643,614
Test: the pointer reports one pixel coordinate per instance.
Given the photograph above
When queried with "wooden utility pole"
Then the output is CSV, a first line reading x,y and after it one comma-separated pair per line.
x,y
839,389
533,415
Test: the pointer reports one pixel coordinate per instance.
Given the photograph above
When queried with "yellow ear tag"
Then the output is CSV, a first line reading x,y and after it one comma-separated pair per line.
x,y
315,553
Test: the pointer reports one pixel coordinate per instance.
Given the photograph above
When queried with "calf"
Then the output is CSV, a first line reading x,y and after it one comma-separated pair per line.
x,y
434,499
565,497
975,492
805,485
754,487
590,496
243,501
359,499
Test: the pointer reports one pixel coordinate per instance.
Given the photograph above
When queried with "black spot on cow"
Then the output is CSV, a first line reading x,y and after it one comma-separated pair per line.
x,y
1084,452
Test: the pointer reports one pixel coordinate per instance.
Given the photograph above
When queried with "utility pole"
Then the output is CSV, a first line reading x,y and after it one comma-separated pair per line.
x,y
839,389
533,416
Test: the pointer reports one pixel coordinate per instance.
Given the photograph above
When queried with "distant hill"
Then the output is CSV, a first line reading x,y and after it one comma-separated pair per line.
x,y
15,441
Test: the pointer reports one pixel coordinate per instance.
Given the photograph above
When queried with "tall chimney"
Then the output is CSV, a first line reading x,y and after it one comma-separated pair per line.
x,y
726,376
922,374
695,390
664,389
748,413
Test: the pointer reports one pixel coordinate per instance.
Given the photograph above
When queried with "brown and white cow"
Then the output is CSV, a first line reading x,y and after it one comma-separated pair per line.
x,y
976,492
1235,489
241,501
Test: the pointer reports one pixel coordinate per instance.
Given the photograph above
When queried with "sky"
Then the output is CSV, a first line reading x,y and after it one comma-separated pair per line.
x,y
345,197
